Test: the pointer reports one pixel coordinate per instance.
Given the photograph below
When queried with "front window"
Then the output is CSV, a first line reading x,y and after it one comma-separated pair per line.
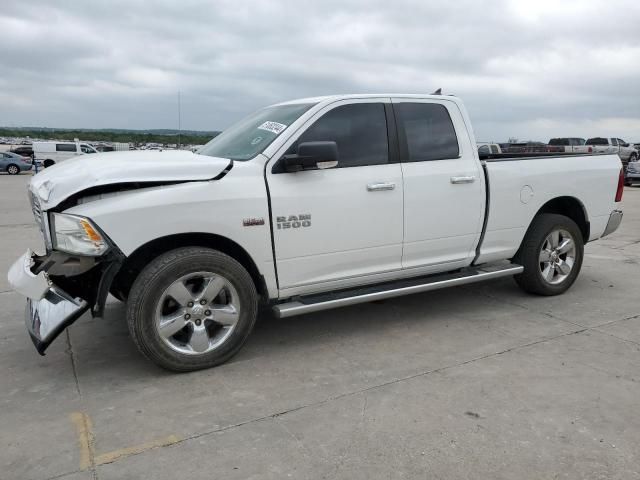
x,y
253,134
87,149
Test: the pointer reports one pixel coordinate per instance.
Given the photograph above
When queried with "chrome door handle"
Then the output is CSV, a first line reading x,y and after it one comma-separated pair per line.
x,y
467,179
374,187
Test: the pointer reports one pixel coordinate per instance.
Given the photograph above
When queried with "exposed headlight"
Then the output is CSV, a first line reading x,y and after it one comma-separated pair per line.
x,y
75,234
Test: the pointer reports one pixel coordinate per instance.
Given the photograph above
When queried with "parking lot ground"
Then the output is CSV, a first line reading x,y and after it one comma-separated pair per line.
x,y
482,381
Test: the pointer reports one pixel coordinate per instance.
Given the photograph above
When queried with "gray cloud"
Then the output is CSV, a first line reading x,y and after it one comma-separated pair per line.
x,y
530,69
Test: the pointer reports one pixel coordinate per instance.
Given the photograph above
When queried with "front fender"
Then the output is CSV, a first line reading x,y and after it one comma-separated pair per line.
x,y
134,218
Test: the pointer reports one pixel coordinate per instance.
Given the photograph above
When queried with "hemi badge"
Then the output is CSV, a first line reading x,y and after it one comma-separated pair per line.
x,y
250,222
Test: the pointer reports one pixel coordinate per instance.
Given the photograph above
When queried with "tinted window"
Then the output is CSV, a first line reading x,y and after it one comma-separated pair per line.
x,y
559,141
614,141
65,147
359,129
428,132
484,149
597,141
620,141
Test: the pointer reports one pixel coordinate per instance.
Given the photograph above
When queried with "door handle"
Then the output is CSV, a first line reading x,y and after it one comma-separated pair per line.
x,y
464,179
374,187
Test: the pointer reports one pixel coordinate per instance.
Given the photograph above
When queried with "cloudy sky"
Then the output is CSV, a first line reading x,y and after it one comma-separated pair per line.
x,y
526,69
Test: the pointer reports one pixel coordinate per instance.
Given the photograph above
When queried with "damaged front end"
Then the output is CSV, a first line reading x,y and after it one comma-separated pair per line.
x,y
60,287
63,284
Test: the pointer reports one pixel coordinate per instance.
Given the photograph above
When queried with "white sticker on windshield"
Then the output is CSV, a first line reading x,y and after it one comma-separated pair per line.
x,y
273,127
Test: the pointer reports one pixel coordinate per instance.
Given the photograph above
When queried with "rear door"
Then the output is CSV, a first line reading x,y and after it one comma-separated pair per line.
x,y
333,227
443,185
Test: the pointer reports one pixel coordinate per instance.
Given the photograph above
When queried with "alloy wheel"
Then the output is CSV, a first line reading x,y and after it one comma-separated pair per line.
x,y
197,313
557,256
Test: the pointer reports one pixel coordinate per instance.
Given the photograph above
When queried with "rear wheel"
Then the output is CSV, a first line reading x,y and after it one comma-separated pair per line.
x,y
48,162
551,255
13,169
191,308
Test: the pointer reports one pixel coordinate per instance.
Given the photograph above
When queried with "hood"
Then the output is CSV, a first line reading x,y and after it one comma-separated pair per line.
x,y
58,182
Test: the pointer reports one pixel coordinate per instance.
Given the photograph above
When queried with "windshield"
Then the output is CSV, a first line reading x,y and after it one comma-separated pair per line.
x,y
254,133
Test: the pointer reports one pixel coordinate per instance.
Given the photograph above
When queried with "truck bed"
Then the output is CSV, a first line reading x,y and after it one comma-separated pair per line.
x,y
519,185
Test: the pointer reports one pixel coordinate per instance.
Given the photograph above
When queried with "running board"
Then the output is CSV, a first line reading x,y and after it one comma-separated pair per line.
x,y
325,301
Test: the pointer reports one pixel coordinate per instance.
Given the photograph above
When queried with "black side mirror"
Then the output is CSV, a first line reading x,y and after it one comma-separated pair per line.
x,y
312,156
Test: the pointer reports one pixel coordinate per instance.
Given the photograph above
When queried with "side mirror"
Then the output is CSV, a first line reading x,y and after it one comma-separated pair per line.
x,y
312,156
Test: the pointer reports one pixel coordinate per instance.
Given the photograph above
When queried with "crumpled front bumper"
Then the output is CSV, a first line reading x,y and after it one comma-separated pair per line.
x,y
50,308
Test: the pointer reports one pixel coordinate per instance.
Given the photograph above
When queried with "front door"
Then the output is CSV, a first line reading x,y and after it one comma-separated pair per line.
x,y
335,226
444,193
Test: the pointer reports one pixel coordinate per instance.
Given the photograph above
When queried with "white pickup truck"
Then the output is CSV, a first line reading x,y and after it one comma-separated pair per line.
x,y
303,206
624,150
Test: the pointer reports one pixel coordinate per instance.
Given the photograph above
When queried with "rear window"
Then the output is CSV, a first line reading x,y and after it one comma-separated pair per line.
x,y
65,147
559,141
428,132
597,141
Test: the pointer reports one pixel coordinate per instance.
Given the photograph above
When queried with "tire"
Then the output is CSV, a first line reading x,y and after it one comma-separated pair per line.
x,y
47,163
551,276
206,334
13,169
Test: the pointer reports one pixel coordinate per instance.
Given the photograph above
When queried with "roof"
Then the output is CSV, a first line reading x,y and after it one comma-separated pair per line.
x,y
334,98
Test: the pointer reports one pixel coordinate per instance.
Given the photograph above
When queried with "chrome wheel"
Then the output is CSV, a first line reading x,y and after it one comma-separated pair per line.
x,y
557,256
13,170
197,313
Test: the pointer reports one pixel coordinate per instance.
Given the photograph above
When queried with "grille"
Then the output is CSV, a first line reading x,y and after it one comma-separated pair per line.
x,y
41,219
36,209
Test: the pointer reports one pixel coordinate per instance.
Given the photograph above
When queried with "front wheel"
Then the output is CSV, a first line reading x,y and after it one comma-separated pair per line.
x,y
551,254
191,308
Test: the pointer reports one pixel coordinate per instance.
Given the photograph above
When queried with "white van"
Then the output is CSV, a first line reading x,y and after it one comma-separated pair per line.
x,y
50,153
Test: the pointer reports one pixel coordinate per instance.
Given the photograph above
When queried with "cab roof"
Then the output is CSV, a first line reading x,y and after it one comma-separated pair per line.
x,y
335,98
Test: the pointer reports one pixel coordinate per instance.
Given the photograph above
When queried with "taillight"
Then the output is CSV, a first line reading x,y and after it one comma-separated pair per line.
x,y
590,150
620,186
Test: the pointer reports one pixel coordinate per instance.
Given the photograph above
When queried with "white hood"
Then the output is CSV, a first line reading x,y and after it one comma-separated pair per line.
x,y
60,181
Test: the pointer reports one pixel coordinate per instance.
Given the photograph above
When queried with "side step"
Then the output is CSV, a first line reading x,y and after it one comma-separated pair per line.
x,y
325,301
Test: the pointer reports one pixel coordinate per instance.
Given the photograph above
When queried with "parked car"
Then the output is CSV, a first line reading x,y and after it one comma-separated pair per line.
x,y
626,151
23,151
12,163
303,206
485,148
50,153
524,147
632,175
569,145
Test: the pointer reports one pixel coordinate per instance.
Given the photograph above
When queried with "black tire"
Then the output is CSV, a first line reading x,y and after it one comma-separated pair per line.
x,y
146,293
48,162
13,169
532,280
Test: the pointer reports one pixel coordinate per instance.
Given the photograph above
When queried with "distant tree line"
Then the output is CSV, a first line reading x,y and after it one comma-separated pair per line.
x,y
108,136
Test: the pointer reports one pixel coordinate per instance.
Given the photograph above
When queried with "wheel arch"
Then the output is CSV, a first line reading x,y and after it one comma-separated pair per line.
x,y
569,207
6,169
144,254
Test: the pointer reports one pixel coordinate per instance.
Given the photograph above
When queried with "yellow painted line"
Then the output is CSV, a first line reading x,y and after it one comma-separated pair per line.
x,y
84,431
143,447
